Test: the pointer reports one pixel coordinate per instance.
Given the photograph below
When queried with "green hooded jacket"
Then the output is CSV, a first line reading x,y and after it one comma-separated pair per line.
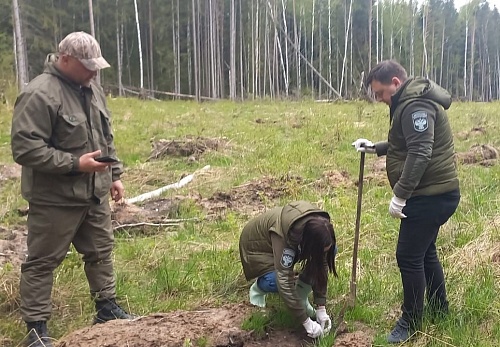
x,y
55,122
266,245
420,151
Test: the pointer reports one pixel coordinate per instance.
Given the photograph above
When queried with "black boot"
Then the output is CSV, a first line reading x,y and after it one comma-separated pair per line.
x,y
401,332
38,335
108,310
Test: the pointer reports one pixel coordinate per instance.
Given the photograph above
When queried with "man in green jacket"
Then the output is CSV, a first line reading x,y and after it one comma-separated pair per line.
x,y
423,178
273,242
61,125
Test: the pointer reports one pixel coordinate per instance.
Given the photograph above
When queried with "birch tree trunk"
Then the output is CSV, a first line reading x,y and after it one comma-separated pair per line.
x,y
465,53
257,50
232,70
320,52
378,32
268,72
312,47
177,35
346,41
381,31
391,40
151,51
196,52
213,68
412,38
433,73
119,49
330,46
442,55
286,64
139,42
189,55
242,84
297,55
20,45
174,49
424,41
370,20
92,32
472,49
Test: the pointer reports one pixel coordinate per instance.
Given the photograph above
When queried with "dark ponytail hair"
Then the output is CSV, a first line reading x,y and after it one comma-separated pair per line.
x,y
318,234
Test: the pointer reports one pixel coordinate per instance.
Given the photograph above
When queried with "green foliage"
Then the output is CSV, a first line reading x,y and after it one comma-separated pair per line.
x,y
321,30
257,322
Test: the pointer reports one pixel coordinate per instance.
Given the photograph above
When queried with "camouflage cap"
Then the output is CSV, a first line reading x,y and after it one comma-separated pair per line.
x,y
85,48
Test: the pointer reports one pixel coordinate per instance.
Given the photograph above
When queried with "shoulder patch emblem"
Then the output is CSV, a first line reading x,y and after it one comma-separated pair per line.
x,y
420,122
287,258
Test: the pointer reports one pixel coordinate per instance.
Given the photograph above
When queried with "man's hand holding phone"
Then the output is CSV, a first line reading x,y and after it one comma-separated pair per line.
x,y
94,162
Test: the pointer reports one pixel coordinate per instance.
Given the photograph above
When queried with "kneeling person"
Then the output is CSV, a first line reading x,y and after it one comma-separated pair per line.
x,y
273,242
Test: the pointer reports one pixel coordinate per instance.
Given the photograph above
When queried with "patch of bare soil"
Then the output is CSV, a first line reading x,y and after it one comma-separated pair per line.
x,y
9,171
485,155
476,131
378,164
252,197
354,339
333,179
13,247
375,172
189,146
215,327
159,212
362,336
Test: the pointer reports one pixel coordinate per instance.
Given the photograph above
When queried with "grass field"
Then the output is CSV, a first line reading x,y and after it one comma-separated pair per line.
x,y
197,263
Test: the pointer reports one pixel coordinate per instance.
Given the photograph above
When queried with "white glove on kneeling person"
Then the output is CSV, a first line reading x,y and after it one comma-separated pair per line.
x,y
323,319
365,146
313,329
396,207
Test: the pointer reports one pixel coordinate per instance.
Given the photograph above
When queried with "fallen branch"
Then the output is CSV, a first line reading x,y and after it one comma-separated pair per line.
x,y
161,190
123,226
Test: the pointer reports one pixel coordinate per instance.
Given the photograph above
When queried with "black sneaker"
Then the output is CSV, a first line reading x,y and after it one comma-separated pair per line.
x,y
401,332
108,310
38,335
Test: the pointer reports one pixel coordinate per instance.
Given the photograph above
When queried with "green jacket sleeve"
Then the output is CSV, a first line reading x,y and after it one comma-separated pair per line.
x,y
285,277
417,122
34,116
381,148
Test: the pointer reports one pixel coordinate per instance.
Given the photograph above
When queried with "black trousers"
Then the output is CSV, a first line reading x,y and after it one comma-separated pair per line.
x,y
416,253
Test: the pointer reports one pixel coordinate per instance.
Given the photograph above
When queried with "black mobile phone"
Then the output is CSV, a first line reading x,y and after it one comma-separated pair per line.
x,y
106,159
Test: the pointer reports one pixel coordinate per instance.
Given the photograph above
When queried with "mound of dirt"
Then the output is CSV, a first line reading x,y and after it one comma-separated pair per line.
x,y
216,327
151,211
148,216
13,247
378,165
476,131
333,179
190,146
252,197
485,155
354,339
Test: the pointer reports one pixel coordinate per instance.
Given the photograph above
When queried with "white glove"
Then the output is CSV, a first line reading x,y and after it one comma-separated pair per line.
x,y
313,329
396,207
364,145
323,319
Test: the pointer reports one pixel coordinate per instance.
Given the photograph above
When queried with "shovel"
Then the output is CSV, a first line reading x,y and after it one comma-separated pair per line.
x,y
353,284
351,300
